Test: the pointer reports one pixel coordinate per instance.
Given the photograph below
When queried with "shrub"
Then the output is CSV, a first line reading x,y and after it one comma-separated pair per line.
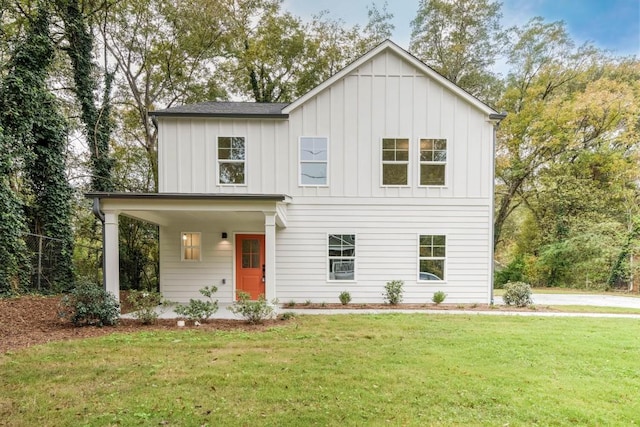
x,y
518,294
287,315
199,310
253,311
393,292
144,304
438,297
90,305
345,297
291,304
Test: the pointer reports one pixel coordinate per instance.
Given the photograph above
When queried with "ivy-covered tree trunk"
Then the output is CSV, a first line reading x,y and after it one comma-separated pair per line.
x,y
37,133
97,121
13,260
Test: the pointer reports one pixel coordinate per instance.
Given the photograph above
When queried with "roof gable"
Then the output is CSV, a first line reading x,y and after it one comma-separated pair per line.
x,y
406,56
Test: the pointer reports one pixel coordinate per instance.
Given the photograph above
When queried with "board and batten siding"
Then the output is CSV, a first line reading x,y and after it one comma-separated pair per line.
x,y
384,98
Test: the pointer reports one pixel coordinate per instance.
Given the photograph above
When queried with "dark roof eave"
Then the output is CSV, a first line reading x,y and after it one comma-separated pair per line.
x,y
187,196
219,115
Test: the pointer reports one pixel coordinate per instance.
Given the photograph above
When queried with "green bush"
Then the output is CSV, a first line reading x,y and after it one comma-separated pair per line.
x,y
144,304
253,311
518,294
288,315
393,292
90,305
345,297
513,272
199,310
438,297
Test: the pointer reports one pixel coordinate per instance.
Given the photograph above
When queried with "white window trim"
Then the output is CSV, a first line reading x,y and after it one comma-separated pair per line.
x,y
445,163
355,258
218,161
383,162
445,258
182,246
300,161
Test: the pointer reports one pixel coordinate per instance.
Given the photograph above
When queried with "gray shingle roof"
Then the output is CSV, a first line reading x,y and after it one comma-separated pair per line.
x,y
226,109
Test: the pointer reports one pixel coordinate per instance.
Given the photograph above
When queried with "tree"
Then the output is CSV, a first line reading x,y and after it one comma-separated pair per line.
x,y
97,121
12,225
460,39
166,55
567,159
31,119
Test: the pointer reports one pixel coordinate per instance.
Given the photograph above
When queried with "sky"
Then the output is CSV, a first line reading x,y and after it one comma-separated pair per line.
x,y
613,25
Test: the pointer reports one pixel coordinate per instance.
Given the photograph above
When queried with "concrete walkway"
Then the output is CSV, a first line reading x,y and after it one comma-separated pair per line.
x,y
538,299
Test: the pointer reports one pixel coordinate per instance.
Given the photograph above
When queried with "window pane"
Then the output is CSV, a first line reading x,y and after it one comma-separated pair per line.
x,y
394,174
431,269
231,148
439,240
341,269
313,149
431,174
194,239
232,173
313,173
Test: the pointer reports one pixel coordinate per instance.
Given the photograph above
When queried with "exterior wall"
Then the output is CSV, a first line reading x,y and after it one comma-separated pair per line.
x,y
385,97
182,280
386,249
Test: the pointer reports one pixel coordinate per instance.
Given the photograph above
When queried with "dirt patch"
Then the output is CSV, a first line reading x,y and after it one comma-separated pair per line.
x,y
439,307
31,320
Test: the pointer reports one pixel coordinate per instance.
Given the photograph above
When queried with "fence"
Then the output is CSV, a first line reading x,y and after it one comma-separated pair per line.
x,y
42,252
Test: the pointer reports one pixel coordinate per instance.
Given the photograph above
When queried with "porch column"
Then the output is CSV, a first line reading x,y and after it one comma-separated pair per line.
x,y
111,254
270,255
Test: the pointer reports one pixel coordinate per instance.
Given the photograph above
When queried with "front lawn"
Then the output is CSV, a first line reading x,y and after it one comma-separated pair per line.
x,y
388,369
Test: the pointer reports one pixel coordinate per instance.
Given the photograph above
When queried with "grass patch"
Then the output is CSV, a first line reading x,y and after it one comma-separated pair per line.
x,y
534,291
593,309
388,369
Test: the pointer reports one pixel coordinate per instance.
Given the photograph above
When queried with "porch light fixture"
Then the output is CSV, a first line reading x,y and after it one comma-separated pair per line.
x,y
224,235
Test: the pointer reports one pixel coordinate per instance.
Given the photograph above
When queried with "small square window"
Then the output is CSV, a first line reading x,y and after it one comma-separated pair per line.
x,y
191,244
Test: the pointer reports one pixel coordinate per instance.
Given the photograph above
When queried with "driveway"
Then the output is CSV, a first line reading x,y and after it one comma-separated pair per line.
x,y
582,299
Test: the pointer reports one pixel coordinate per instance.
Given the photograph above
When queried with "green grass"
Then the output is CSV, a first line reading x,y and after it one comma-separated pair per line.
x,y
388,369
534,291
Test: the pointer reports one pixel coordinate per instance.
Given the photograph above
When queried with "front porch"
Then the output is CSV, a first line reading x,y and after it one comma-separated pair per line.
x,y
215,219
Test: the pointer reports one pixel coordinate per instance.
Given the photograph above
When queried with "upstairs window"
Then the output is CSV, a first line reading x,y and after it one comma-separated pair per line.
x,y
191,246
342,256
433,161
432,256
395,161
313,161
231,160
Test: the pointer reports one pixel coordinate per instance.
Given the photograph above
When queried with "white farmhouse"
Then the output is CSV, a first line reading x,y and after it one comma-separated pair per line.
x,y
383,172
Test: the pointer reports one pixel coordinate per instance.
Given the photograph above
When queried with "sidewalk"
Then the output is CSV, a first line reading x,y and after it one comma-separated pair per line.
x,y
538,299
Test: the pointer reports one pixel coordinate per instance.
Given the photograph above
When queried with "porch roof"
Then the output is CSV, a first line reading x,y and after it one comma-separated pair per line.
x,y
186,196
171,208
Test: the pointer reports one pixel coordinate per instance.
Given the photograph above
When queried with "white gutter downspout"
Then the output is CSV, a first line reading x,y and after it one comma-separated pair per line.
x,y
495,119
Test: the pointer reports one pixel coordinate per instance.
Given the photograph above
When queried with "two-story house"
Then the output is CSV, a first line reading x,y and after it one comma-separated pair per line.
x,y
382,172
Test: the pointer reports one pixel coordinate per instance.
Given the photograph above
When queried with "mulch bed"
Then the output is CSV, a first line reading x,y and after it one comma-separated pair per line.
x,y
31,320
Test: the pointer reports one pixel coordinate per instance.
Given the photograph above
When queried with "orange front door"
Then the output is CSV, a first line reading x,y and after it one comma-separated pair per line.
x,y
250,264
